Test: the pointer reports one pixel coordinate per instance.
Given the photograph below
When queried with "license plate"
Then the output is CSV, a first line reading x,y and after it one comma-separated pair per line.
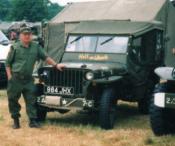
x,y
170,100
59,90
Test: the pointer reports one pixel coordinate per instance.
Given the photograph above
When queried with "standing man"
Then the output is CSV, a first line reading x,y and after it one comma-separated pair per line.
x,y
19,67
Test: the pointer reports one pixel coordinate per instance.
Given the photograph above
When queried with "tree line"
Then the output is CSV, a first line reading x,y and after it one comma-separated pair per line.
x,y
30,10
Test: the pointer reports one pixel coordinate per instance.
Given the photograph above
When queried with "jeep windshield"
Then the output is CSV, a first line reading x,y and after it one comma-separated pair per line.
x,y
97,44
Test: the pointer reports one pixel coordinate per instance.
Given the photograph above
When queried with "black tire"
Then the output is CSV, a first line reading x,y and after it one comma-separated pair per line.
x,y
41,111
41,114
144,103
107,111
161,119
39,89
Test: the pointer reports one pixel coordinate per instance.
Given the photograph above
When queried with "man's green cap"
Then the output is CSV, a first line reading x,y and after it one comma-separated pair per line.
x,y
25,29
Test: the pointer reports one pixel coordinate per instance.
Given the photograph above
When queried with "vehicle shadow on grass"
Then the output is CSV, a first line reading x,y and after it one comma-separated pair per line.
x,y
126,117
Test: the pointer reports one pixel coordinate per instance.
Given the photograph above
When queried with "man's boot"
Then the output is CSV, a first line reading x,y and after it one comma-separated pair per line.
x,y
34,124
16,124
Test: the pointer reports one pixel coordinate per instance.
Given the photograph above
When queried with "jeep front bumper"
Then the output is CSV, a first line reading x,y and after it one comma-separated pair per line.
x,y
58,102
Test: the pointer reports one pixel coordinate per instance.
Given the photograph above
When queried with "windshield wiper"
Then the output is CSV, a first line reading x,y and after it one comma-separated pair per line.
x,y
75,40
106,41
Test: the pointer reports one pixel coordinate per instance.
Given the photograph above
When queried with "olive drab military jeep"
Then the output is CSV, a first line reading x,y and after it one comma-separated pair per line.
x,y
107,58
101,69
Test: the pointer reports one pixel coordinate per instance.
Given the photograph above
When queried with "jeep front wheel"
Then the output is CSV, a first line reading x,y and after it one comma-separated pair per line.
x,y
107,110
41,114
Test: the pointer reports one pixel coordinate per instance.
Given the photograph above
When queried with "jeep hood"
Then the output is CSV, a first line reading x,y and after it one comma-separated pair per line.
x,y
118,67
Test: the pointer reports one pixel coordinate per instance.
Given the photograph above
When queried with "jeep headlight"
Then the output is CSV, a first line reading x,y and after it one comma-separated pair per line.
x,y
89,76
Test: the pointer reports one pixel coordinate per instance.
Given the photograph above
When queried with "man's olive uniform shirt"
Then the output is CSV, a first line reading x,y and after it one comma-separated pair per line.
x,y
22,59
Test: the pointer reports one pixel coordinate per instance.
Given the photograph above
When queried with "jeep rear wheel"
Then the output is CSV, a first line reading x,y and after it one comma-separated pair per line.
x,y
107,110
144,102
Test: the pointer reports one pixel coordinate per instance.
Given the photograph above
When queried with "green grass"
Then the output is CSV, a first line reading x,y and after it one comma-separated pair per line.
x,y
1,118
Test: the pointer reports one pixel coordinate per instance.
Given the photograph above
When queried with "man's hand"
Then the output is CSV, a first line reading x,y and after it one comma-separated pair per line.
x,y
8,71
173,51
53,63
9,77
60,67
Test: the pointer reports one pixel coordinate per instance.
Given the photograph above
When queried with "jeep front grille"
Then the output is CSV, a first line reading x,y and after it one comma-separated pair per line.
x,y
67,78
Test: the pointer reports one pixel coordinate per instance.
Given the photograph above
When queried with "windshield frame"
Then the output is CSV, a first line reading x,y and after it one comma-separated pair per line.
x,y
102,35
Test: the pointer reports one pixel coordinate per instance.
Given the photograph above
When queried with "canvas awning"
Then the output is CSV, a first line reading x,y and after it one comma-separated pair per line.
x,y
135,10
115,27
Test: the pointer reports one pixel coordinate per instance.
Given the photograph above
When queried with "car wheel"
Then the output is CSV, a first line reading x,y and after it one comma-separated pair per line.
x,y
39,89
161,119
41,114
107,112
41,111
144,103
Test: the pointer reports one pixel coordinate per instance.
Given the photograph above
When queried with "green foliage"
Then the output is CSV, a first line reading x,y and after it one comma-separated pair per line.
x,y
30,10
53,9
5,7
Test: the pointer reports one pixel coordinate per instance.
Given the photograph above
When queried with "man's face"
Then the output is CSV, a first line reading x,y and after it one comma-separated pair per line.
x,y
26,37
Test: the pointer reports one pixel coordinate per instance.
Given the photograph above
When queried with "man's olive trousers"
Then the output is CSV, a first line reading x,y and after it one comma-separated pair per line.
x,y
15,89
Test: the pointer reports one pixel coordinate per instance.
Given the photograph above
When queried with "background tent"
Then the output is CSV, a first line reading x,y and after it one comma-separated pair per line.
x,y
74,15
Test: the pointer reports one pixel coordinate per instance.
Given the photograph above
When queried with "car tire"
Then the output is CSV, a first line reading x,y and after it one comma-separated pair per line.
x,y
39,89
41,114
107,111
41,111
161,119
144,103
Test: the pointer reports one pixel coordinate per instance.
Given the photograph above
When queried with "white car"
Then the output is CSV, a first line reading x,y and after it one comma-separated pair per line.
x,y
4,46
4,49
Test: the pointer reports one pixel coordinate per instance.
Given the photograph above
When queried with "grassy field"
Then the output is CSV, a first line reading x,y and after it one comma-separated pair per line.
x,y
77,129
